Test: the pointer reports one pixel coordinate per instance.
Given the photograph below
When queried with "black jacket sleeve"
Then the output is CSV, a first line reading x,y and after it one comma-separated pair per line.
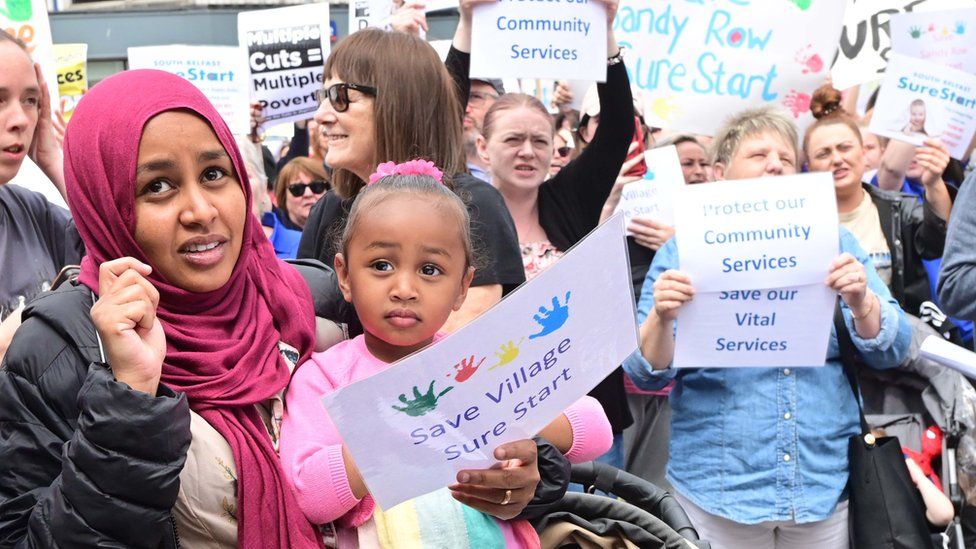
x,y
84,460
930,232
571,202
458,66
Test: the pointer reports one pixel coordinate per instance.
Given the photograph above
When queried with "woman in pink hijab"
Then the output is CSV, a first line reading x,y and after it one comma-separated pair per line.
x,y
140,403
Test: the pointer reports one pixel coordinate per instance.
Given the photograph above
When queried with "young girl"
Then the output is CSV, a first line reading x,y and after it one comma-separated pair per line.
x,y
406,264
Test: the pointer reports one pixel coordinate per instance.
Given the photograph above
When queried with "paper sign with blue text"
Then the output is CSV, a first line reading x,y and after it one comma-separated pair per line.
x,y
943,37
700,61
564,39
757,233
501,378
285,50
921,100
217,71
865,42
780,327
653,196
28,21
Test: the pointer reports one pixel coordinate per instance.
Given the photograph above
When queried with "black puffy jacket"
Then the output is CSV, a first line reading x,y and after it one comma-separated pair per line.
x,y
84,460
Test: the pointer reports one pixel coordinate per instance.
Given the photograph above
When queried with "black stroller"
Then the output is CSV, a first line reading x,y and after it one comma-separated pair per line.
x,y
645,516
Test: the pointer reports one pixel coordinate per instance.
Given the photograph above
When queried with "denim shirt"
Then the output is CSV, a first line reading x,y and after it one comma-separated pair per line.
x,y
768,444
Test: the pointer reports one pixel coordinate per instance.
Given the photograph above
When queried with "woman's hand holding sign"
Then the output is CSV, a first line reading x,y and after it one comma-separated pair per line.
x,y
671,291
504,490
933,157
848,278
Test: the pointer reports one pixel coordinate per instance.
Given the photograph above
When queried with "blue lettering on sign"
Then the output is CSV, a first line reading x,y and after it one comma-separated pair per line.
x,y
735,37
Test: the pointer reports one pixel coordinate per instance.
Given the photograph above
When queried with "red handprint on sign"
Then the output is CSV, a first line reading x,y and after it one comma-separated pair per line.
x,y
466,368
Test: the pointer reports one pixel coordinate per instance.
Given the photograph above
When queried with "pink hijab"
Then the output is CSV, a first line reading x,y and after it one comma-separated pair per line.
x,y
221,346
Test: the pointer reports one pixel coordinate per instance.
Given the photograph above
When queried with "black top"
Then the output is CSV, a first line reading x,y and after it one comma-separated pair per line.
x,y
492,232
38,240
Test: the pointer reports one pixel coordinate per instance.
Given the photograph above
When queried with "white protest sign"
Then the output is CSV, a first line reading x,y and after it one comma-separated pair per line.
x,y
513,38
921,100
217,71
757,233
28,21
701,61
783,327
865,41
943,37
369,13
653,196
285,50
503,377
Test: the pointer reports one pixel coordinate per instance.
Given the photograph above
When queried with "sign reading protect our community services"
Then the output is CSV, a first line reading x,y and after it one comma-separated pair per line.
x,y
285,49
503,377
564,39
700,61
758,253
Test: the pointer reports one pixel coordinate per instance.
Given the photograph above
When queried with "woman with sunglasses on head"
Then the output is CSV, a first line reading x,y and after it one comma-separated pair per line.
x,y
388,97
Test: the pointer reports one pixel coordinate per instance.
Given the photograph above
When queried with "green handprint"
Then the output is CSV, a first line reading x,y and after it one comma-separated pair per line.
x,y
17,10
507,353
422,403
915,32
803,4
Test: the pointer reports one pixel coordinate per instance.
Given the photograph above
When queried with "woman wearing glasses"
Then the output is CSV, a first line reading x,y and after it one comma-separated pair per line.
x,y
301,183
388,97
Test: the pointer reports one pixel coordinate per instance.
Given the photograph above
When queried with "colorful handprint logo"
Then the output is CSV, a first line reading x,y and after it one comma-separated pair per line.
x,y
960,27
17,10
421,403
552,320
507,353
664,108
466,368
809,59
915,32
802,4
797,102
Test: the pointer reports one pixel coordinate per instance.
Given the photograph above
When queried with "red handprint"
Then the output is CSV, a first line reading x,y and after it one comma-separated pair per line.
x,y
466,368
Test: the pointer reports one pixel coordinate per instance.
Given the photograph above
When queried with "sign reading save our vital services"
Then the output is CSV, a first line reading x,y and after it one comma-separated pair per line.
x,y
501,378
285,50
757,233
71,61
28,21
758,252
866,40
563,39
944,37
700,61
217,71
653,196
920,100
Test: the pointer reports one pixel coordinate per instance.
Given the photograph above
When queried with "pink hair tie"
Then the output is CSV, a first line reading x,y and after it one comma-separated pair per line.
x,y
411,167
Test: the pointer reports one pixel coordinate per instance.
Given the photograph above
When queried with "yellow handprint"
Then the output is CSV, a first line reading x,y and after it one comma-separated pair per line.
x,y
507,353
664,108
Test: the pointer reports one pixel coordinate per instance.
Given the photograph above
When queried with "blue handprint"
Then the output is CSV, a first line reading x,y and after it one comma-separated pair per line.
x,y
554,319
649,175
960,27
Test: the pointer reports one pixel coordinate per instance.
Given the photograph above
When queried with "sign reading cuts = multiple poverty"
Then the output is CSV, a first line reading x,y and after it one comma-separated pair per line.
x,y
563,39
757,252
285,49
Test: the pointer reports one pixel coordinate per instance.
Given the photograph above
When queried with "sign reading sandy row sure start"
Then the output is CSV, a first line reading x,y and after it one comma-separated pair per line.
x,y
286,49
563,39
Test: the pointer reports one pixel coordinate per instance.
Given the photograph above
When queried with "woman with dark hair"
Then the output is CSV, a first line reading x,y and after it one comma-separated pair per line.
x,y
388,97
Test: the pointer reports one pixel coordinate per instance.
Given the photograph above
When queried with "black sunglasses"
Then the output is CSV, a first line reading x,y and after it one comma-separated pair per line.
x,y
563,152
338,94
298,189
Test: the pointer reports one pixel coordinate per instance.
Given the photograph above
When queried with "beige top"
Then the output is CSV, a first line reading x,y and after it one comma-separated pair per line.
x,y
864,222
206,509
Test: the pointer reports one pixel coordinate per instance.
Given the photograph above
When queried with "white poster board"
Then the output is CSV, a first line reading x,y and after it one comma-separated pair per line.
x,y
761,233
285,49
699,62
653,196
943,37
503,377
28,21
777,327
866,40
217,71
516,39
921,100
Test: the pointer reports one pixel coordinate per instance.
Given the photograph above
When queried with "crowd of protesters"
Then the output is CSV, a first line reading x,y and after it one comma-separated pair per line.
x,y
149,336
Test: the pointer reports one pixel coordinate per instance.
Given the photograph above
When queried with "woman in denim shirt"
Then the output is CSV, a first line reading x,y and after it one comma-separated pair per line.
x,y
759,455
